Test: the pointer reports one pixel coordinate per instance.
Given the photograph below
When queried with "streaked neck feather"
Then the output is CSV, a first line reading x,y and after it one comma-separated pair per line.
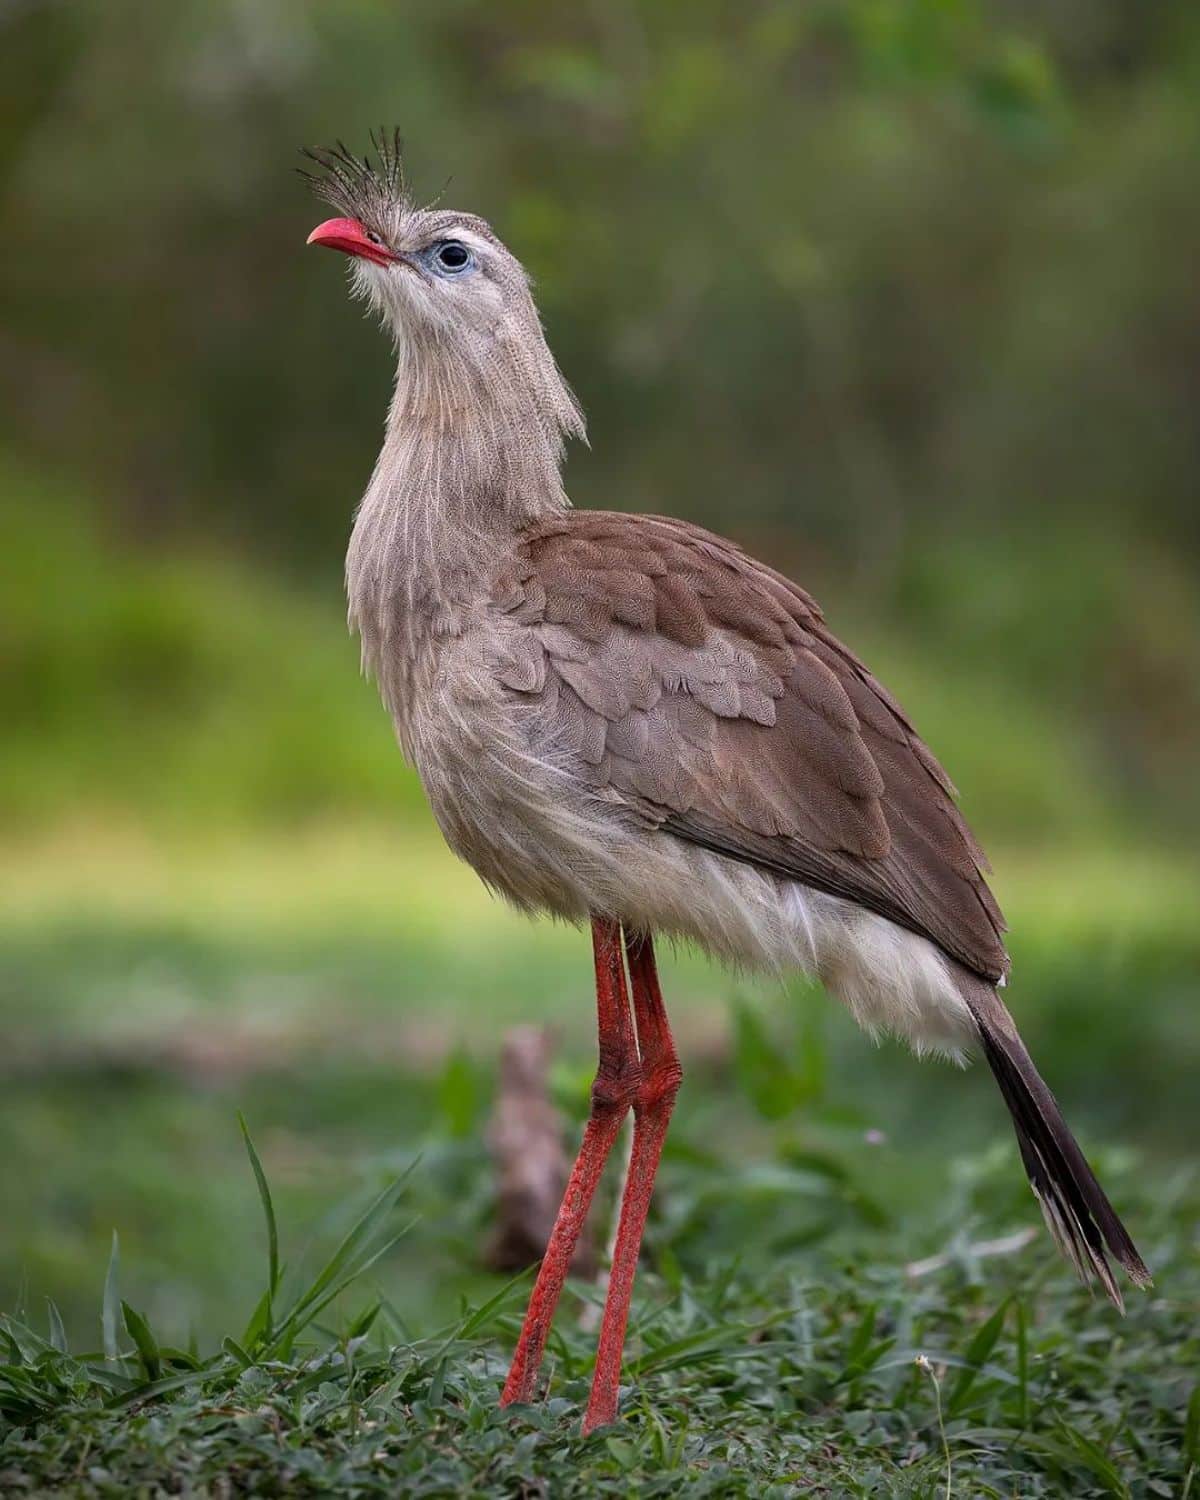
x,y
472,455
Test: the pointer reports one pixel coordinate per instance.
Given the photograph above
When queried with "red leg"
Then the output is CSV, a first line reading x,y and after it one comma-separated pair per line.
x,y
661,1077
613,1092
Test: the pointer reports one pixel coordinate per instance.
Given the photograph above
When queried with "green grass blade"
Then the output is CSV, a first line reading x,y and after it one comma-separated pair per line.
x,y
111,1380
474,1322
175,1356
717,1337
860,1343
26,1345
437,1386
1022,1366
365,1321
303,1314
352,1256
268,1208
232,1347
24,1387
980,1347
1094,1458
258,1328
719,1354
1067,1449
148,1389
111,1307
1191,1429
58,1334
145,1342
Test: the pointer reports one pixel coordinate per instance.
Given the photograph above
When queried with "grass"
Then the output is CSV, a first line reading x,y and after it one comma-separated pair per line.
x,y
981,1371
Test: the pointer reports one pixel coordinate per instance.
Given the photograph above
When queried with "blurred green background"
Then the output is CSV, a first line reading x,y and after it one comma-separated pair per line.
x,y
902,295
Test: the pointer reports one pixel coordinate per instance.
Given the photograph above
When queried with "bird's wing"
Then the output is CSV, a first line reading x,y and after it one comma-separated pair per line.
x,y
705,689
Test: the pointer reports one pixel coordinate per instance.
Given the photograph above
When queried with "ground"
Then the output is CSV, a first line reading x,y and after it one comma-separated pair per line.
x,y
846,1289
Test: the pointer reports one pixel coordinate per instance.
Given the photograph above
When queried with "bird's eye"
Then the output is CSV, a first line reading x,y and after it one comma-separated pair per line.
x,y
451,257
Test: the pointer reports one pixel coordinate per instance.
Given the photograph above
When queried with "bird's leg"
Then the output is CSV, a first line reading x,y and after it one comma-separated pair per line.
x,y
613,1092
660,1080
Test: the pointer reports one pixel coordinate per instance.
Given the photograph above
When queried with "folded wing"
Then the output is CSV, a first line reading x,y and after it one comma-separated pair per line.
x,y
705,690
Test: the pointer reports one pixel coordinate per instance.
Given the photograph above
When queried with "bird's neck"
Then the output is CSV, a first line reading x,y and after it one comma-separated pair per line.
x,y
471,457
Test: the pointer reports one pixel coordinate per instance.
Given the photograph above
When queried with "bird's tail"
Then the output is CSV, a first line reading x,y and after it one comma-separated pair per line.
x,y
1083,1222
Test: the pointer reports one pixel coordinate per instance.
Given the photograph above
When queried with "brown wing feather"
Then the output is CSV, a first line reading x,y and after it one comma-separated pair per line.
x,y
706,689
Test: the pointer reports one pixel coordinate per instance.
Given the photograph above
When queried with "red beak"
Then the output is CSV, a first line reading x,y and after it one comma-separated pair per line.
x,y
349,236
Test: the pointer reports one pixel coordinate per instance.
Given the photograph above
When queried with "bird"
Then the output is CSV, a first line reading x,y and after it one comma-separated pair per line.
x,y
628,722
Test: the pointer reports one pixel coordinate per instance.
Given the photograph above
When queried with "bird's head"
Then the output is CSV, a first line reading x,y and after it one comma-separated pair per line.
x,y
437,277
474,371
474,364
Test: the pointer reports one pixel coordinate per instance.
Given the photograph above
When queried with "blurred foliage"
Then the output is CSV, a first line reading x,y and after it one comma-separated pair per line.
x,y
902,291
182,687
189,688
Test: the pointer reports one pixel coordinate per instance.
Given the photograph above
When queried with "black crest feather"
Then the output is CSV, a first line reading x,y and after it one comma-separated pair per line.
x,y
361,187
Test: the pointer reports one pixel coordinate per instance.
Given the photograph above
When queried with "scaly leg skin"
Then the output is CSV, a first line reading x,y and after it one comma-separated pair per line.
x,y
615,1089
660,1079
